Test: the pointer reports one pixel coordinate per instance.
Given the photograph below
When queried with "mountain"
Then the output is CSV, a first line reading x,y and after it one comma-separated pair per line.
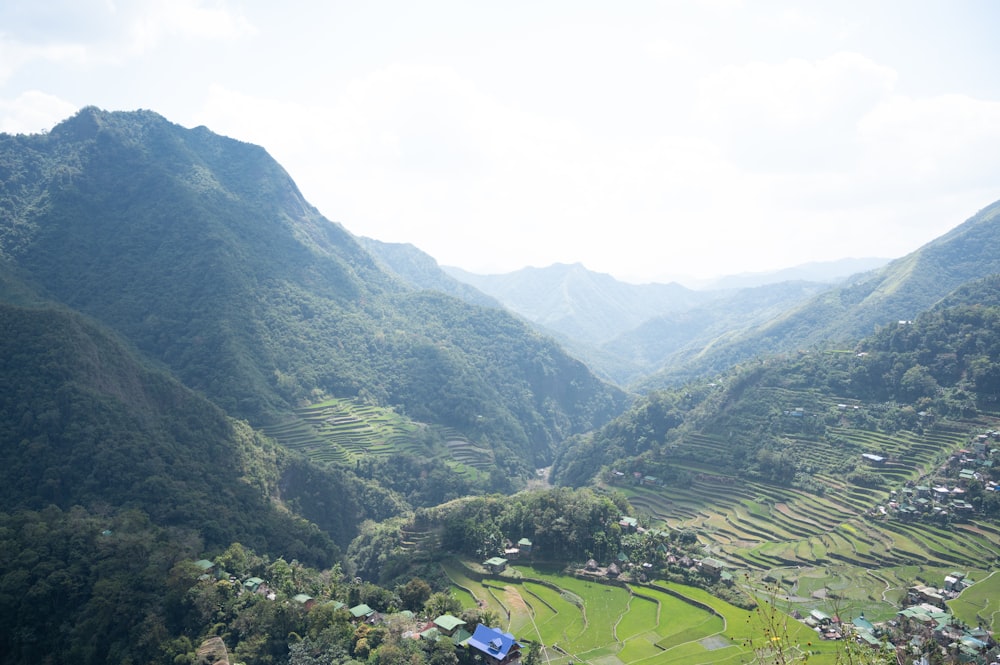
x,y
844,314
420,271
588,307
202,253
825,457
655,342
85,423
830,272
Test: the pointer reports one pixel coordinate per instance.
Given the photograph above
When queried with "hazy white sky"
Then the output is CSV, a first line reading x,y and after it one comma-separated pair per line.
x,y
647,139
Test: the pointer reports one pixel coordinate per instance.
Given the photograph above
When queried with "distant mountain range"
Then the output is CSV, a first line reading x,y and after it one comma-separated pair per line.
x,y
626,332
830,272
842,315
654,335
586,306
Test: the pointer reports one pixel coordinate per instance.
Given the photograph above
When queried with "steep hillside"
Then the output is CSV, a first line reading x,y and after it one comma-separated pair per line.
x,y
826,457
420,271
202,252
585,306
655,342
897,292
942,364
84,423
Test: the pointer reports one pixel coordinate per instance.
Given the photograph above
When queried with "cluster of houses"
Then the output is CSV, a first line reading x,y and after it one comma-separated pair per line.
x,y
623,567
498,564
492,645
922,626
945,497
938,501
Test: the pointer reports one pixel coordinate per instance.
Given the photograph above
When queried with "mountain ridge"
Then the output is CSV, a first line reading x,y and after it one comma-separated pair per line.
x,y
898,291
201,251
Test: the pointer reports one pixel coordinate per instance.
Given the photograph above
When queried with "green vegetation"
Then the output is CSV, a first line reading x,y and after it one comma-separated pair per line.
x,y
201,252
662,623
196,364
376,442
979,605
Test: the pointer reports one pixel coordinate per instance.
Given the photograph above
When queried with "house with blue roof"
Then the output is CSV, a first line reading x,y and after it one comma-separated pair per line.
x,y
495,647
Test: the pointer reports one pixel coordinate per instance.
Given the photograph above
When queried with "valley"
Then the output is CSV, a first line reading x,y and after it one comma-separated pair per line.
x,y
202,368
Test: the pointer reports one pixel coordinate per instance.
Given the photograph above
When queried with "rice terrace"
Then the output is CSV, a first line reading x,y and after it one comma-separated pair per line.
x,y
586,620
341,431
831,548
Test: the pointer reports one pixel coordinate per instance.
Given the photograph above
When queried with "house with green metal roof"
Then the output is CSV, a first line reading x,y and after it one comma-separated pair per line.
x,y
304,599
361,611
253,584
432,634
448,624
495,564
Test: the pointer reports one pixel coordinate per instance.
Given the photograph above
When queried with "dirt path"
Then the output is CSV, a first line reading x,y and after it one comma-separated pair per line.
x,y
515,601
884,581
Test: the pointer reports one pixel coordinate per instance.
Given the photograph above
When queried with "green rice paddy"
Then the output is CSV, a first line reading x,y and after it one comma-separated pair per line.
x,y
341,431
584,620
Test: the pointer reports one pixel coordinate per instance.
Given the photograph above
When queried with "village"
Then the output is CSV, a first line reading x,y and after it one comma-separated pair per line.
x,y
960,488
921,628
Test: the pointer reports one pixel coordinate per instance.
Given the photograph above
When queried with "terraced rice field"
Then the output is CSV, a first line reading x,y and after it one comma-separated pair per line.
x,y
341,431
583,620
760,526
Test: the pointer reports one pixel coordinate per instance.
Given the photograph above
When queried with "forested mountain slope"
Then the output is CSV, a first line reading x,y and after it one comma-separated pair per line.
x,y
83,422
944,364
201,251
899,291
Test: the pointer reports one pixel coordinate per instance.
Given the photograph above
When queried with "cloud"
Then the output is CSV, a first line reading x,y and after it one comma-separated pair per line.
x,y
14,55
33,112
944,141
57,21
799,115
92,32
193,19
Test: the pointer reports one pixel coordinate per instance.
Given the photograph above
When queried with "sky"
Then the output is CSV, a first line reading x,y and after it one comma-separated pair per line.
x,y
654,140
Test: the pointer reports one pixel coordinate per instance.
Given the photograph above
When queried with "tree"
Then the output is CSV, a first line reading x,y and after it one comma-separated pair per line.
x,y
415,593
442,602
239,561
